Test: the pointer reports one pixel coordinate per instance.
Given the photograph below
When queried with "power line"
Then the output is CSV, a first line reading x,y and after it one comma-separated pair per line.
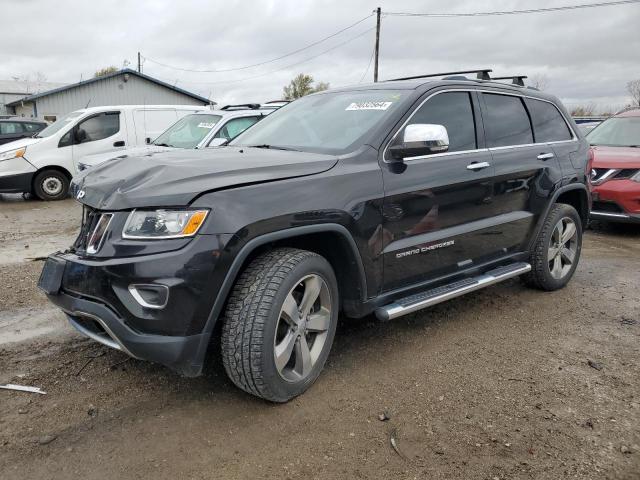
x,y
510,12
222,70
373,52
286,66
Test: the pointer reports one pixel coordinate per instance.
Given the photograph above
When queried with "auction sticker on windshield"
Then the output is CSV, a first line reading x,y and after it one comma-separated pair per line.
x,y
369,106
205,125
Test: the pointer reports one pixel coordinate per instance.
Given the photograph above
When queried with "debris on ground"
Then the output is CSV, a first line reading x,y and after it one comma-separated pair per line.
x,y
46,439
92,411
23,388
394,443
384,416
594,364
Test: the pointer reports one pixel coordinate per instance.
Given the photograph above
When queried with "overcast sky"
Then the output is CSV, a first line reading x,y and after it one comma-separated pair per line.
x,y
587,55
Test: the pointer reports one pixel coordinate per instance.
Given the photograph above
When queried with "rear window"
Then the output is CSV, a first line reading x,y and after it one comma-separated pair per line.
x,y
548,124
507,122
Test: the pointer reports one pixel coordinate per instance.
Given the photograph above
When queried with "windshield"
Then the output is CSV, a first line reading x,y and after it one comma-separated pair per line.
x,y
58,125
616,132
187,132
332,123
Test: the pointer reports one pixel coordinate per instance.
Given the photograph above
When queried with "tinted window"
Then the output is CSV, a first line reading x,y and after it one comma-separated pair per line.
x,y
8,128
98,127
548,124
454,111
235,127
507,122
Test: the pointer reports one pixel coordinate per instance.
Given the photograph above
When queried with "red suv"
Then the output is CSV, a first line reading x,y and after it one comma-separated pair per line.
x,y
615,176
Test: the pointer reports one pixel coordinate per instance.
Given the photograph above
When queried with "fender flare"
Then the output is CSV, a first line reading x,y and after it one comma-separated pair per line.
x,y
243,254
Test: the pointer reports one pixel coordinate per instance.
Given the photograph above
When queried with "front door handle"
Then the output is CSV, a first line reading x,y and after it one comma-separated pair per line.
x,y
119,143
478,165
546,156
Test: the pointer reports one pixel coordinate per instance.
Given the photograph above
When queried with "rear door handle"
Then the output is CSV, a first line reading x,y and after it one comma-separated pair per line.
x,y
546,156
478,165
119,143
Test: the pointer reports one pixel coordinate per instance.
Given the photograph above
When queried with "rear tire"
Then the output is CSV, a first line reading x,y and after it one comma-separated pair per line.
x,y
51,185
556,251
279,323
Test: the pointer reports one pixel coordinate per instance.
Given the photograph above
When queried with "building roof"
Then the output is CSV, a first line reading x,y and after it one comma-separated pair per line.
x,y
104,77
21,87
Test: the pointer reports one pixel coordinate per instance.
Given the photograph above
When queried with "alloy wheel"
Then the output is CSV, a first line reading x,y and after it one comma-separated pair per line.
x,y
302,329
562,248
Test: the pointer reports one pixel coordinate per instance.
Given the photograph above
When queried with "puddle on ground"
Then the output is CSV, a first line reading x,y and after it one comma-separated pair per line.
x,y
29,323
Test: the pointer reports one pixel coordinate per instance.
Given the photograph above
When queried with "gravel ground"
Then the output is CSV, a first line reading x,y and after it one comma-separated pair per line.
x,y
505,383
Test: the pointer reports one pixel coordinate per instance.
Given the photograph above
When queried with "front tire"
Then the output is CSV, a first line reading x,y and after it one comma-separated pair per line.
x,y
556,252
51,185
279,323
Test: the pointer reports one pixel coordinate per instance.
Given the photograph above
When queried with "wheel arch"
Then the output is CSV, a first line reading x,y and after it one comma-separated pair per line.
x,y
317,238
57,168
576,195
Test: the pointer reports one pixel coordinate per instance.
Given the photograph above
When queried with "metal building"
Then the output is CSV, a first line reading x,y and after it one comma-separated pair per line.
x,y
12,90
125,87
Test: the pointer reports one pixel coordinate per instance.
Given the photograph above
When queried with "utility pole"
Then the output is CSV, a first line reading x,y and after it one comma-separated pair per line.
x,y
139,64
377,49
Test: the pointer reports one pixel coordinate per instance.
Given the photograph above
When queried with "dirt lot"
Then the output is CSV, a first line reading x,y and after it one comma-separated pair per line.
x,y
506,383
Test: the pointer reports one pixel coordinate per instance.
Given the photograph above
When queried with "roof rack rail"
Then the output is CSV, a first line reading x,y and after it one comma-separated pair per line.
x,y
482,74
251,106
278,101
515,79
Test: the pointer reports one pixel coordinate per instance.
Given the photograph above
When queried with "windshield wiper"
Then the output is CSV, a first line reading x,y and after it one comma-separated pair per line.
x,y
163,145
273,147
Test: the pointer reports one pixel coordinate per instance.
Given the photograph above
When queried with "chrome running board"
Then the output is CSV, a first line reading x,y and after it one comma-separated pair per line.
x,y
431,297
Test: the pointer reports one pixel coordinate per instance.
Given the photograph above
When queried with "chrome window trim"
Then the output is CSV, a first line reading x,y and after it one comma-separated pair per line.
x,y
574,138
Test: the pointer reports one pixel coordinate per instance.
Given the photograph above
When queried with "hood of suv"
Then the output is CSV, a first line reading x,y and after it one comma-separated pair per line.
x,y
176,178
90,161
616,157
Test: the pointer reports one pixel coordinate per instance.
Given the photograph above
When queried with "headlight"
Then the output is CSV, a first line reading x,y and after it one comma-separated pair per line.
x,y
13,154
158,224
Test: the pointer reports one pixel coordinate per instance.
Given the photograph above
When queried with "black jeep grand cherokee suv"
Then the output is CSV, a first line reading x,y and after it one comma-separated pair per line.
x,y
384,198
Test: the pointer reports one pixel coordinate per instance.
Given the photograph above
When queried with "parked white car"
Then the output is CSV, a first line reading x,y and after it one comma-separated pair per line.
x,y
199,130
44,164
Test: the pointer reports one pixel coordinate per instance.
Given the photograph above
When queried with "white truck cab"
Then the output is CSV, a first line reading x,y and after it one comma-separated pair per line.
x,y
44,164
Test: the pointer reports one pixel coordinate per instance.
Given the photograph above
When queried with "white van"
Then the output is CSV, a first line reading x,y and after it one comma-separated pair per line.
x,y
44,164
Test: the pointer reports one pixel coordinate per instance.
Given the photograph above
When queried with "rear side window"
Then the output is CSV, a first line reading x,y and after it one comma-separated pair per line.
x,y
507,122
548,124
7,128
454,111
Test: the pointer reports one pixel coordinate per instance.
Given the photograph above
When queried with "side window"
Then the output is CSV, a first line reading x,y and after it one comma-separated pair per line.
x,y
235,127
8,128
507,122
98,127
65,141
33,127
548,124
454,111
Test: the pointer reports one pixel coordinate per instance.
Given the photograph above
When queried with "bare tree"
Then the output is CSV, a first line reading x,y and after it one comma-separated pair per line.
x,y
302,85
633,87
583,110
539,81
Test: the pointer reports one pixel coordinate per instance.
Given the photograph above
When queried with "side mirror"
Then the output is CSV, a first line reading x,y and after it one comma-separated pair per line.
x,y
218,142
421,139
